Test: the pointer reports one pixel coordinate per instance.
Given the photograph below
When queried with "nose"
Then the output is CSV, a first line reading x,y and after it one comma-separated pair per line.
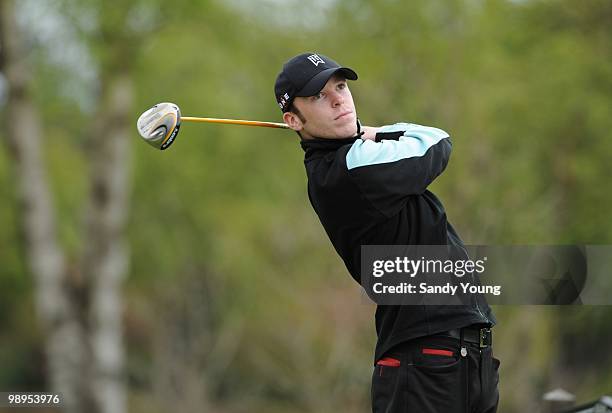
x,y
337,99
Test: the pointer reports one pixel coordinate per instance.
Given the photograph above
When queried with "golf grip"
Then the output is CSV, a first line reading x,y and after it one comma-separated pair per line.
x,y
235,122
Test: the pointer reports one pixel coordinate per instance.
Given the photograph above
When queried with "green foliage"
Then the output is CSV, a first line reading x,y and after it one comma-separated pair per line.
x,y
220,223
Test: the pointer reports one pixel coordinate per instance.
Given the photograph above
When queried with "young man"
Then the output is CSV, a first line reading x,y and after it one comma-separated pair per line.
x,y
369,187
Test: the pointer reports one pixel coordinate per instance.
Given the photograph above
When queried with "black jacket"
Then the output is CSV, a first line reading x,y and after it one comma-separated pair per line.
x,y
375,193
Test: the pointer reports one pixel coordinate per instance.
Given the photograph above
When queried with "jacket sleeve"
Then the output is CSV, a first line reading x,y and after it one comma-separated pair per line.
x,y
403,161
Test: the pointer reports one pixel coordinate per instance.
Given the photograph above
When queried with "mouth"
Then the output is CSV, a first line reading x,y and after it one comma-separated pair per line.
x,y
343,114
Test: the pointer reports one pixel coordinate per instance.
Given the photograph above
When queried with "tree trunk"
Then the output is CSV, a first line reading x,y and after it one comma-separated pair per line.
x,y
105,260
57,313
81,314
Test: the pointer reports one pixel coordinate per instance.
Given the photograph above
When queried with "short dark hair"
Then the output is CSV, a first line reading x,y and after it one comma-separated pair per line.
x,y
295,110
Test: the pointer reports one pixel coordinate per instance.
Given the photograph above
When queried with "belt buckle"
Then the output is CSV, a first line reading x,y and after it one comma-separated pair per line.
x,y
484,337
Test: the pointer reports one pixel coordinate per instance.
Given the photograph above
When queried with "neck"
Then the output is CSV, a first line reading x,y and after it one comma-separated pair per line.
x,y
307,137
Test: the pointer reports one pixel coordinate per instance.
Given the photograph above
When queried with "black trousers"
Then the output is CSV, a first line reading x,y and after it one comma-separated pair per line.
x,y
430,375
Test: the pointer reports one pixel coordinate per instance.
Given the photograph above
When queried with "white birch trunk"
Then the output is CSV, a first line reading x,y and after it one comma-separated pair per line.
x,y
105,261
81,318
58,315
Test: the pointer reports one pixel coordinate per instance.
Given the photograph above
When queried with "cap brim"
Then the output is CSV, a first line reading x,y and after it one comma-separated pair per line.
x,y
317,83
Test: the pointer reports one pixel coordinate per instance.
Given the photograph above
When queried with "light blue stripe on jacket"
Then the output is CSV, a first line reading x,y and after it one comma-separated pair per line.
x,y
416,141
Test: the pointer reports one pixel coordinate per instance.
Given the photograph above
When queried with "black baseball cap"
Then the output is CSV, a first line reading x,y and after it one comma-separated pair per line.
x,y
305,75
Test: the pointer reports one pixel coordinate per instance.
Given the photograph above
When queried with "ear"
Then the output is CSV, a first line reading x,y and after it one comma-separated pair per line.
x,y
293,121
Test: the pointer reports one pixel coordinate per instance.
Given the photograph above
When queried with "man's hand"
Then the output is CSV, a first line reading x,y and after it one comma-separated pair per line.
x,y
369,132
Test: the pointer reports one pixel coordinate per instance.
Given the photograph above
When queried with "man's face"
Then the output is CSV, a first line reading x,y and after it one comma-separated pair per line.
x,y
330,114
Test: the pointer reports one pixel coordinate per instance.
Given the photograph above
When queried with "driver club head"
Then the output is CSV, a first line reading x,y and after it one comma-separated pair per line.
x,y
160,124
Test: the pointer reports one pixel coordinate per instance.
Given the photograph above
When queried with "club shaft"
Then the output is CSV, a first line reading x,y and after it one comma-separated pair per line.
x,y
235,122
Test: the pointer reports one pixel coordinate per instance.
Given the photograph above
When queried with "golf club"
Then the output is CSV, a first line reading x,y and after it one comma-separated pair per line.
x,y
160,124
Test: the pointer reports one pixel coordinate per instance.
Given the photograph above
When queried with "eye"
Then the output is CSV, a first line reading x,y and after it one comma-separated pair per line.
x,y
317,96
342,85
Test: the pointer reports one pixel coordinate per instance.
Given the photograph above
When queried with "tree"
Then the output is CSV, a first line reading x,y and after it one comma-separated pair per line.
x,y
79,305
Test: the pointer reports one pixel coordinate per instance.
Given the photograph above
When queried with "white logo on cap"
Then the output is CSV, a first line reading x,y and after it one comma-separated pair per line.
x,y
315,59
283,100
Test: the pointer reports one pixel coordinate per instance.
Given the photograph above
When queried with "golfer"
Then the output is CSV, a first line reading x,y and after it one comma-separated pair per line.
x,y
368,186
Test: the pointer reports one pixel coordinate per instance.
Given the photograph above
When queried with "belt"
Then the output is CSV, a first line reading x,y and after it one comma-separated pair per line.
x,y
481,336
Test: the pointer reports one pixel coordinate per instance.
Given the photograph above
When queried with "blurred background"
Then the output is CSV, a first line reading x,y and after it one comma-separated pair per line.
x,y
199,278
